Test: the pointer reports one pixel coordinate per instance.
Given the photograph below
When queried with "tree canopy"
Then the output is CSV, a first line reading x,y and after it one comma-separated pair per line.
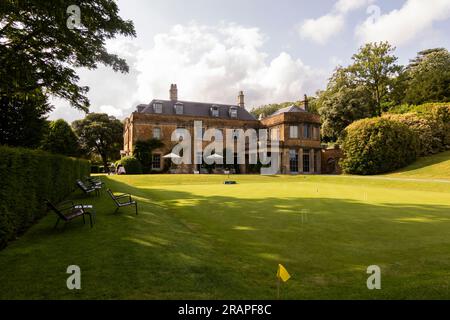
x,y
38,50
61,139
374,83
427,77
269,109
100,134
343,101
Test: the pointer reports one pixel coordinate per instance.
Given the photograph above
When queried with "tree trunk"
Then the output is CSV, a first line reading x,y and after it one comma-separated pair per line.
x,y
105,163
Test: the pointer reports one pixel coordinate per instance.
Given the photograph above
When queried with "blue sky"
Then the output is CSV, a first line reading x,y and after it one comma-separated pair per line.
x,y
274,51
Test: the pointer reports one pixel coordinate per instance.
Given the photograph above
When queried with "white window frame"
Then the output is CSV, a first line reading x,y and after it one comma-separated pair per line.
x,y
157,107
178,107
153,156
233,112
213,110
158,136
293,132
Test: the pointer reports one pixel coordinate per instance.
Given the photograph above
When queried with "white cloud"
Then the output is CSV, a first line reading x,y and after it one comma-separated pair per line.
x,y
322,29
214,63
112,111
414,18
344,6
208,63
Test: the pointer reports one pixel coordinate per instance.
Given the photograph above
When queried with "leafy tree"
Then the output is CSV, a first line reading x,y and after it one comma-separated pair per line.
x,y
22,119
35,34
61,139
343,102
38,54
269,109
374,67
428,77
101,134
143,152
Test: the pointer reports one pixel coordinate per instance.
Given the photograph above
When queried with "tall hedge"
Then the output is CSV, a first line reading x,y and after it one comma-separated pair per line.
x,y
27,177
378,145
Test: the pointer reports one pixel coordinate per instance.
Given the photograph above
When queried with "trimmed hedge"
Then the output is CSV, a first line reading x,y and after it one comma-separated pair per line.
x,y
377,145
131,165
27,178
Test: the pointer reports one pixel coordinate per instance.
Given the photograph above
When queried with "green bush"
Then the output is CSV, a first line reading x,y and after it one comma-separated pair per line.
x,y
27,178
431,122
131,165
423,128
420,109
377,145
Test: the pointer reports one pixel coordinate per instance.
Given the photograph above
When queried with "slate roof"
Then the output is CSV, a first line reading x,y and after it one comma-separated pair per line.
x,y
198,109
288,109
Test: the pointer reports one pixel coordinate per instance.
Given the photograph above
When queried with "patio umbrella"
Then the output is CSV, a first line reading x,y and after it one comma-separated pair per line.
x,y
171,156
214,156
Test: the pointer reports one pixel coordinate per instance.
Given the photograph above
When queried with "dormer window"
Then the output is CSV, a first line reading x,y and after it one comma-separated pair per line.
x,y
157,107
233,112
215,111
178,108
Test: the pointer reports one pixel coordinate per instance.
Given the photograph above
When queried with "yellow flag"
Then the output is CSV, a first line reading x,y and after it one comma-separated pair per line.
x,y
282,273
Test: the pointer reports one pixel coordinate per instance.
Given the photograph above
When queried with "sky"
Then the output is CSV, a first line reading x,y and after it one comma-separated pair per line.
x,y
273,50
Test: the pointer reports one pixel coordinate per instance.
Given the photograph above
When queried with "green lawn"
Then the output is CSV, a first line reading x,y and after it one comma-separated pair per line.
x,y
432,167
195,238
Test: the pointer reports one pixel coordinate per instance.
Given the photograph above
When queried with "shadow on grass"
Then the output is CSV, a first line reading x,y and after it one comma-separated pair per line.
x,y
189,246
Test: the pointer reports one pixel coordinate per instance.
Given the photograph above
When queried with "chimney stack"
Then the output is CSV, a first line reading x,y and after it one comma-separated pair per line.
x,y
306,103
173,92
241,102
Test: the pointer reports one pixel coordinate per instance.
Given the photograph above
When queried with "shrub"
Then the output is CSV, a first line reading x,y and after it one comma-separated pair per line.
x,y
27,178
131,165
431,121
420,109
422,127
377,145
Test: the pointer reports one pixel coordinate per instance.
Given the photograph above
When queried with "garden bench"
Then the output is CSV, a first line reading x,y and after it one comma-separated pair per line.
x,y
120,203
69,212
89,189
95,182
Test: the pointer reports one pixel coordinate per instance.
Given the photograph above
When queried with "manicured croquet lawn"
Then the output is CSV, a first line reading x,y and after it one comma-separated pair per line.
x,y
195,238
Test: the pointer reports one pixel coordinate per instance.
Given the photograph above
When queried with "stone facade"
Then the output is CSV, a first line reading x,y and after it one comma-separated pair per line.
x,y
330,160
299,135
297,129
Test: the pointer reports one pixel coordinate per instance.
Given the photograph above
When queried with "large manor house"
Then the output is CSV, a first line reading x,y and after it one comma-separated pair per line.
x,y
297,130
